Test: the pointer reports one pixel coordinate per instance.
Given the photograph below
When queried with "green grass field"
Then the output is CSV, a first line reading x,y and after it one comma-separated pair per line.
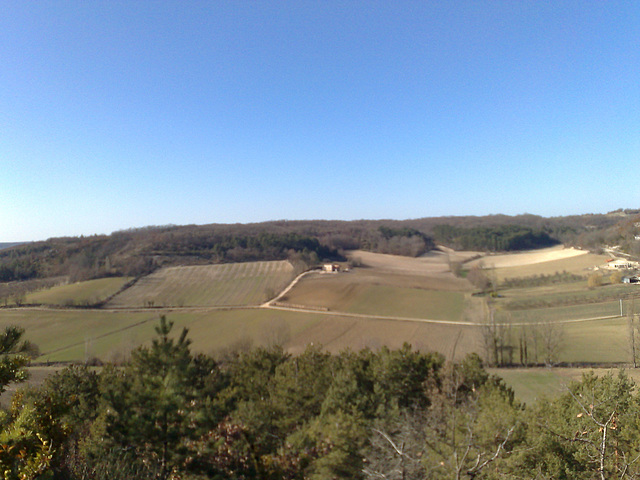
x,y
530,384
371,293
248,283
78,335
408,302
570,312
81,293
602,341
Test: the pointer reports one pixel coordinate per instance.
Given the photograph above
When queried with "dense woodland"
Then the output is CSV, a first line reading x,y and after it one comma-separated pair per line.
x,y
495,239
140,251
263,414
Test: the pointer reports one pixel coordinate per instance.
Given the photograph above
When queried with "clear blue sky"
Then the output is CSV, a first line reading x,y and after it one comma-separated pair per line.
x,y
125,114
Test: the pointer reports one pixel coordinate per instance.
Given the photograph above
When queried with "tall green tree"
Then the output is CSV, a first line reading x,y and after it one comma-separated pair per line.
x,y
155,405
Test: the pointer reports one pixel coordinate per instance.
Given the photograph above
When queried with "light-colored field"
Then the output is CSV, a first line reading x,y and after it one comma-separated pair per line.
x,y
81,293
580,265
433,267
434,263
248,283
530,257
546,261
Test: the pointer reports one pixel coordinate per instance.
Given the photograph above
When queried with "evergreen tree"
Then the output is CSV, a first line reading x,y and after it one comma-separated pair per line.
x,y
154,405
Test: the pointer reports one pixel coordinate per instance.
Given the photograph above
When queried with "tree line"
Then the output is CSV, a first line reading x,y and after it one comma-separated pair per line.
x,y
264,414
498,238
136,252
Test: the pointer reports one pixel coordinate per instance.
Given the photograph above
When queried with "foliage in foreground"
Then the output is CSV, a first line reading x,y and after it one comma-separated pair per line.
x,y
264,414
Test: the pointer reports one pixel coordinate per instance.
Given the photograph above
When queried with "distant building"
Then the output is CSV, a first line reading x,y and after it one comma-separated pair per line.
x,y
631,279
331,267
622,264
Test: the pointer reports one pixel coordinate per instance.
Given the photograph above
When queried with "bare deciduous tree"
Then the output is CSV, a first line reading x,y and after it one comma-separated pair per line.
x,y
552,340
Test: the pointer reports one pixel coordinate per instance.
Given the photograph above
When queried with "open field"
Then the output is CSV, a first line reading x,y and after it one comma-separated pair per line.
x,y
78,335
530,384
71,335
386,285
546,261
409,302
249,283
529,257
369,292
434,265
580,265
566,313
600,341
81,293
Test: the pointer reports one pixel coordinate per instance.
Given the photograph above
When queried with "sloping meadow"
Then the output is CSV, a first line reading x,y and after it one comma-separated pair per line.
x,y
250,283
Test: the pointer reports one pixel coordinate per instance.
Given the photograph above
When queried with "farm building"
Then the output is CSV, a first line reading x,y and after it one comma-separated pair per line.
x,y
622,264
331,267
631,279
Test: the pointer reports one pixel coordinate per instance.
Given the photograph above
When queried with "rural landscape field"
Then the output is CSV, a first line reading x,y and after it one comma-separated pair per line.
x,y
319,240
535,308
281,340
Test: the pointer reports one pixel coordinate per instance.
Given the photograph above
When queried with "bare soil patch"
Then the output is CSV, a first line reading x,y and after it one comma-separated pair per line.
x,y
430,270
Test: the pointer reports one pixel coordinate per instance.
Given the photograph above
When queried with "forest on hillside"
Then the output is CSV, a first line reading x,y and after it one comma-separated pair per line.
x,y
168,413
140,251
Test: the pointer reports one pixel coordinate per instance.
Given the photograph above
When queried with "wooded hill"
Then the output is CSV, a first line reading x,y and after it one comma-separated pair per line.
x,y
139,251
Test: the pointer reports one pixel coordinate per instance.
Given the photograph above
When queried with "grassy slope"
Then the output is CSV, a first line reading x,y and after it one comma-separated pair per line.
x,y
67,335
89,292
408,302
73,334
369,292
208,285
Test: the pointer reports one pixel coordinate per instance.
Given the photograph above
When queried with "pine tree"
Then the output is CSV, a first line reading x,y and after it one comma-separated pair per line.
x,y
153,404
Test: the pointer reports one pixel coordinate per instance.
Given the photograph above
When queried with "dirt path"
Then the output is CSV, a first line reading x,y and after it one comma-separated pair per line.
x,y
426,320
287,289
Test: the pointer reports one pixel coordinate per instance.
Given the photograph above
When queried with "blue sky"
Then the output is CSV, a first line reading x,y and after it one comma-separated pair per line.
x,y
125,114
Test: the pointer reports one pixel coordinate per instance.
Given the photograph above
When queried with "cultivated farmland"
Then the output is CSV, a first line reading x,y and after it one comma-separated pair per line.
x,y
546,261
79,335
248,283
367,292
81,293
